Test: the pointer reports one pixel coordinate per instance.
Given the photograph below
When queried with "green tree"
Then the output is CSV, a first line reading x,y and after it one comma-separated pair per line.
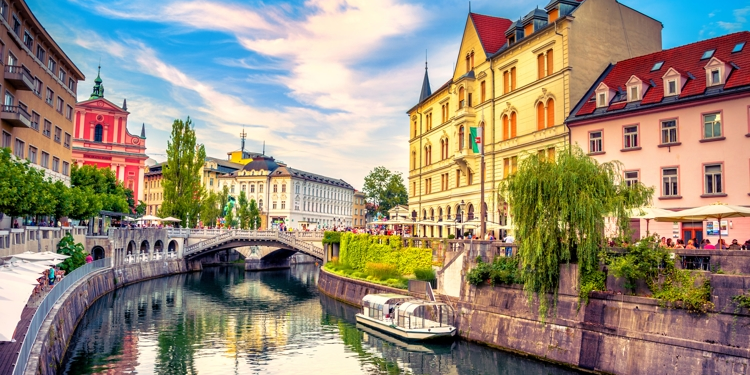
x,y
182,174
64,199
385,189
254,214
559,209
68,246
110,194
84,203
243,211
229,220
210,210
140,209
16,189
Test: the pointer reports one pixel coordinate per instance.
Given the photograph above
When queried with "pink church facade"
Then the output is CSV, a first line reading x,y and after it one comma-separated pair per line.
x,y
679,121
102,139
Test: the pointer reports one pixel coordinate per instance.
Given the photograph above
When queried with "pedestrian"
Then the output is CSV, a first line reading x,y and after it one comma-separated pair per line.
x,y
52,276
708,245
89,258
735,245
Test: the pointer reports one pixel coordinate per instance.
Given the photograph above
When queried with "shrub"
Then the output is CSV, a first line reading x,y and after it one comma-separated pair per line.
x,y
382,271
502,270
424,274
331,237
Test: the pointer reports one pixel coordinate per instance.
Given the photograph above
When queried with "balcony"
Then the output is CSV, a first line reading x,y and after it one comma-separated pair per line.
x,y
15,116
19,77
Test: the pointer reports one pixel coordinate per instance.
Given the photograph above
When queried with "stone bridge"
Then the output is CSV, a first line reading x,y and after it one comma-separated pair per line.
x,y
263,249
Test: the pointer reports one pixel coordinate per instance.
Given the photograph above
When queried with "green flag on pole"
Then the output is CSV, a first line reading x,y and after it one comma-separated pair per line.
x,y
476,135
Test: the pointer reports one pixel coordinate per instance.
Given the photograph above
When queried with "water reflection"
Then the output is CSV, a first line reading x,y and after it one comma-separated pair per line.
x,y
224,320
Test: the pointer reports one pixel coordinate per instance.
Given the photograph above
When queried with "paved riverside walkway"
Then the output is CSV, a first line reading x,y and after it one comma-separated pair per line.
x,y
8,349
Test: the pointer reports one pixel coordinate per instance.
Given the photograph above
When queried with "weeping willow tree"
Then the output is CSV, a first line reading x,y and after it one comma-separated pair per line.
x,y
559,209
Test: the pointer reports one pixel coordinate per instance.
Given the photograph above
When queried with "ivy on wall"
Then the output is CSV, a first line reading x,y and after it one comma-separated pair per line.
x,y
357,250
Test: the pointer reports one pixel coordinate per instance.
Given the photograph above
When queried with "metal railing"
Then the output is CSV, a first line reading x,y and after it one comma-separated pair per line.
x,y
48,303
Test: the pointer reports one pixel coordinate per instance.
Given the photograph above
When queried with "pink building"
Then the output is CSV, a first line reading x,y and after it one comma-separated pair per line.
x,y
679,121
102,139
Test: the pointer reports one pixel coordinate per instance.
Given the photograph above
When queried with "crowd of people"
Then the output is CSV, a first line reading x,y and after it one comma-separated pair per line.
x,y
48,280
706,244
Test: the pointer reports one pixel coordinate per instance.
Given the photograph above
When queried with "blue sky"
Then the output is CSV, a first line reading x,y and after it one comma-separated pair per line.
x,y
325,83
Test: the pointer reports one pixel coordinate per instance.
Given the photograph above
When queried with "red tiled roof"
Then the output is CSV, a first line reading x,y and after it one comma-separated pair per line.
x,y
686,60
491,31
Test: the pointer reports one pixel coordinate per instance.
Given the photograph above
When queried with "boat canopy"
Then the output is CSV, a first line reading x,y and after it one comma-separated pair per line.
x,y
419,314
373,300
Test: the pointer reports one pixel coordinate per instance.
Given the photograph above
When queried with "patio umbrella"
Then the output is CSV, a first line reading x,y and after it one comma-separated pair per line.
x,y
649,213
149,217
716,211
172,219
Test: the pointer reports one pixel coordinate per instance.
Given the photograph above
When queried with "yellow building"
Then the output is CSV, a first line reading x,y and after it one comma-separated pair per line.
x,y
359,210
514,82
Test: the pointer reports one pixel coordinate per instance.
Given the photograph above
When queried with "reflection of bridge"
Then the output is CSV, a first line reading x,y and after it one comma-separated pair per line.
x,y
276,246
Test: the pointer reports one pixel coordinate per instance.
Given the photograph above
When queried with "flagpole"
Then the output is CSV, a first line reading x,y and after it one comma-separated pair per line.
x,y
482,209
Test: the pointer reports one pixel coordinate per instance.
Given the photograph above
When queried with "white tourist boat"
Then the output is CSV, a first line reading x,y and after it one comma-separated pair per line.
x,y
407,317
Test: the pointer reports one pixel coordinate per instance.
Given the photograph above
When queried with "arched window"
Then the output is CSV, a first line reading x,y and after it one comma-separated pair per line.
x,y
440,213
461,138
446,148
539,116
98,133
470,212
424,214
513,125
550,113
413,160
448,212
506,130
461,97
472,59
432,214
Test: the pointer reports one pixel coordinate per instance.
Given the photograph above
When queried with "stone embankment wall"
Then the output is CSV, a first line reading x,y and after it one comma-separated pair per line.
x,y
53,338
614,333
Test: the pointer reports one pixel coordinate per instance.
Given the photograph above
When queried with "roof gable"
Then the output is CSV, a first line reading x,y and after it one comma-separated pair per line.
x,y
101,104
491,31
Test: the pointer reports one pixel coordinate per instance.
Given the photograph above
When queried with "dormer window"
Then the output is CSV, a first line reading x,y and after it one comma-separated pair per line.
x,y
738,47
708,54
603,95
671,87
602,100
715,77
634,94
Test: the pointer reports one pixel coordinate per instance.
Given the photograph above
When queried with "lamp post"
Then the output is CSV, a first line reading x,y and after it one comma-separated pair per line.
x,y
394,227
461,216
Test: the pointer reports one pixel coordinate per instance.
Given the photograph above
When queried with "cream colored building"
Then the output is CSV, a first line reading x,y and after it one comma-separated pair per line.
x,y
359,210
517,81
297,199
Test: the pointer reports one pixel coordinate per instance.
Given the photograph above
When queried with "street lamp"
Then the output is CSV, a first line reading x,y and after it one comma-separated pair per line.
x,y
461,216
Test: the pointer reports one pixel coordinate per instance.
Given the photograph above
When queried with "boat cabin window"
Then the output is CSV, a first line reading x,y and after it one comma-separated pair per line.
x,y
424,315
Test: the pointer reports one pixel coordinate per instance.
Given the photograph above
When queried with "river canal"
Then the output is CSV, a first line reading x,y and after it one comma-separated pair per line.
x,y
224,320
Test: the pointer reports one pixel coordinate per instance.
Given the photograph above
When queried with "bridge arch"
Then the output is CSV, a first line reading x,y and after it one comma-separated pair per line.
x,y
97,252
158,246
131,247
172,246
144,247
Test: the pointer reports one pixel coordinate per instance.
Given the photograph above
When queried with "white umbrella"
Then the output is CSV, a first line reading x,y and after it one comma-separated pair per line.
x,y
12,277
10,315
649,213
40,256
149,217
713,211
173,219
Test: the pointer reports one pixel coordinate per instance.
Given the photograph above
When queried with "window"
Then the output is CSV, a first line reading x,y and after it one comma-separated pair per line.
x,y
16,25
506,128
273,205
461,97
283,188
283,205
715,77
427,185
601,101
469,101
37,87
40,53
50,95
28,40
62,75
260,188
211,182
550,113
51,65
44,161
72,84
712,176
55,165
20,145
510,165
4,9
712,125
708,54
595,142
669,182
35,121
540,66
669,131
483,89
512,78
738,47
32,154
539,116
458,177
67,140
69,113
506,82
6,139
672,87
634,94
9,99
461,138
60,104
47,131
657,66
66,168
275,188
631,178
550,62
630,134
98,133
513,125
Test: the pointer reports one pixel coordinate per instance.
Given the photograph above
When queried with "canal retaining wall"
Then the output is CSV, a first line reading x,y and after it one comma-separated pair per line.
x,y
613,333
53,338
